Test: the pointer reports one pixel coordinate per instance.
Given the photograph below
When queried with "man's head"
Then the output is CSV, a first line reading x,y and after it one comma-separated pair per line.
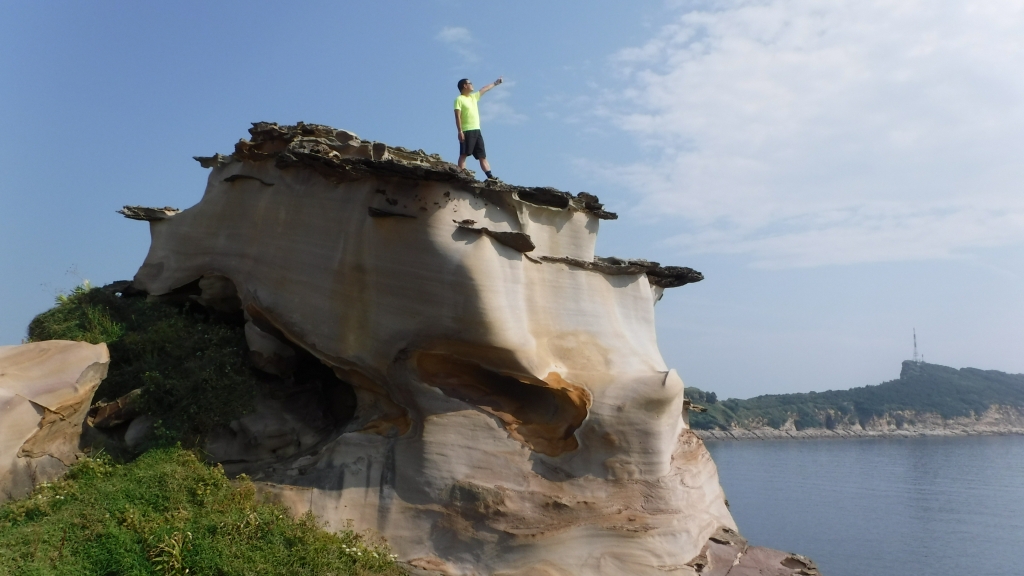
x,y
465,86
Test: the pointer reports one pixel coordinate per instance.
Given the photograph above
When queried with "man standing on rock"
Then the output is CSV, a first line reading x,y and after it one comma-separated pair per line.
x,y
467,121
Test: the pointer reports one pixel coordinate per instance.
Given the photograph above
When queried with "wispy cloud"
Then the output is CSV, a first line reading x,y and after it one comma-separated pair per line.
x,y
496,106
805,133
460,40
454,34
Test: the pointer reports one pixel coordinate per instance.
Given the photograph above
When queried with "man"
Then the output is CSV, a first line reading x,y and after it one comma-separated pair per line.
x,y
467,121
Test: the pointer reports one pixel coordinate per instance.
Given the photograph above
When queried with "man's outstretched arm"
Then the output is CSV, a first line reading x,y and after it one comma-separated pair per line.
x,y
491,85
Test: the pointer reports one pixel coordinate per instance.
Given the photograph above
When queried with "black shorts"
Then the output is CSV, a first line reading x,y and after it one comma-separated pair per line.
x,y
473,143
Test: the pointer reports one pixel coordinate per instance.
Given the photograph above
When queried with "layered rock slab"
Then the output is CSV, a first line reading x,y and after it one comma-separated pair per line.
x,y
45,392
513,412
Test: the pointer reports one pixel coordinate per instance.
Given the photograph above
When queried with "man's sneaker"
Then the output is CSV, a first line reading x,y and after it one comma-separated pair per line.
x,y
493,179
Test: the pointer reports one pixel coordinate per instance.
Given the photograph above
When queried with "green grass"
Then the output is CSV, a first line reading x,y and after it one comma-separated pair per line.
x,y
193,370
77,318
922,388
167,513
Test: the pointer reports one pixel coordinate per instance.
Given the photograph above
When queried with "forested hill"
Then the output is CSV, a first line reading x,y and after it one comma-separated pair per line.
x,y
921,389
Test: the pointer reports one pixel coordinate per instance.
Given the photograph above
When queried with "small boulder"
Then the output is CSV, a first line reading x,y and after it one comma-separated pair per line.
x,y
138,431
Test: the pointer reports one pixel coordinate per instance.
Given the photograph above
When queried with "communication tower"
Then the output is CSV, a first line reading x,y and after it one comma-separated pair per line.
x,y
917,359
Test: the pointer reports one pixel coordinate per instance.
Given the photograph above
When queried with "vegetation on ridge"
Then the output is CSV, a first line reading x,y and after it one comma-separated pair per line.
x,y
192,368
166,512
169,514
922,388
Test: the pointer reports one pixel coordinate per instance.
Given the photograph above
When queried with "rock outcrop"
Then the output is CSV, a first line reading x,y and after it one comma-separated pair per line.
x,y
45,392
496,404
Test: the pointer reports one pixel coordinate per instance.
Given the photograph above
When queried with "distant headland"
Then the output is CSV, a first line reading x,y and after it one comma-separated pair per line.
x,y
926,400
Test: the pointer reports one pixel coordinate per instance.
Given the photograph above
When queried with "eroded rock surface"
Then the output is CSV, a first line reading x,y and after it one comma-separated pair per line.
x,y
726,553
45,392
496,402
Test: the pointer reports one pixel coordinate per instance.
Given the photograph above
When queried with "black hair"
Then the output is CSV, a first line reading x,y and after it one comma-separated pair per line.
x,y
462,83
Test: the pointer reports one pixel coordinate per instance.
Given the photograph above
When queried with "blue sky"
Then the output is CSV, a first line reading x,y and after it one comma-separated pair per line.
x,y
841,173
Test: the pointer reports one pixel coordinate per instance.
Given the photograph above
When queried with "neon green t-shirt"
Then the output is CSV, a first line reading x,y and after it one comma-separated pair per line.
x,y
468,110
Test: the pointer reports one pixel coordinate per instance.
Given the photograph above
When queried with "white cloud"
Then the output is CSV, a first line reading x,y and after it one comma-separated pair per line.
x,y
808,133
454,34
495,105
460,40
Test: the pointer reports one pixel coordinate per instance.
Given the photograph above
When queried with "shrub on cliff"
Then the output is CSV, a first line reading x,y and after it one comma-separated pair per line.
x,y
168,513
192,369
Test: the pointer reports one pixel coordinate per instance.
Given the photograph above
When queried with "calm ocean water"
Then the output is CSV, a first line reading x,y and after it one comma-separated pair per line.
x,y
881,507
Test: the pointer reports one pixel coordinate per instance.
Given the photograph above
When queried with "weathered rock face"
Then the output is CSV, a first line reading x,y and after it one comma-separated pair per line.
x,y
45,392
512,412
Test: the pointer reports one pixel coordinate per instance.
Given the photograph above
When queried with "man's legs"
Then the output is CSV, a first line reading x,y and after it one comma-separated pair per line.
x,y
466,146
480,153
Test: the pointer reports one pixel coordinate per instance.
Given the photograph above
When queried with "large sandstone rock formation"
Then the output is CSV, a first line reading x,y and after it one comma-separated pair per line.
x,y
45,392
496,401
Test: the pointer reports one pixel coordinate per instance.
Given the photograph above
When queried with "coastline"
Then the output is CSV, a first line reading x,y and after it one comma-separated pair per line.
x,y
996,421
817,433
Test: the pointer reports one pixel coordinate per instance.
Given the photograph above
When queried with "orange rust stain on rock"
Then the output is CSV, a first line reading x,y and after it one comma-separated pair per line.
x,y
542,414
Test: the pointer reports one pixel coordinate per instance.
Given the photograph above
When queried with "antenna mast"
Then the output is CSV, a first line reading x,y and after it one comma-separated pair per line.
x,y
917,359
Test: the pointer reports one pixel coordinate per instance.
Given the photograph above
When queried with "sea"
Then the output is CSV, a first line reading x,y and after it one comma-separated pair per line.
x,y
882,507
